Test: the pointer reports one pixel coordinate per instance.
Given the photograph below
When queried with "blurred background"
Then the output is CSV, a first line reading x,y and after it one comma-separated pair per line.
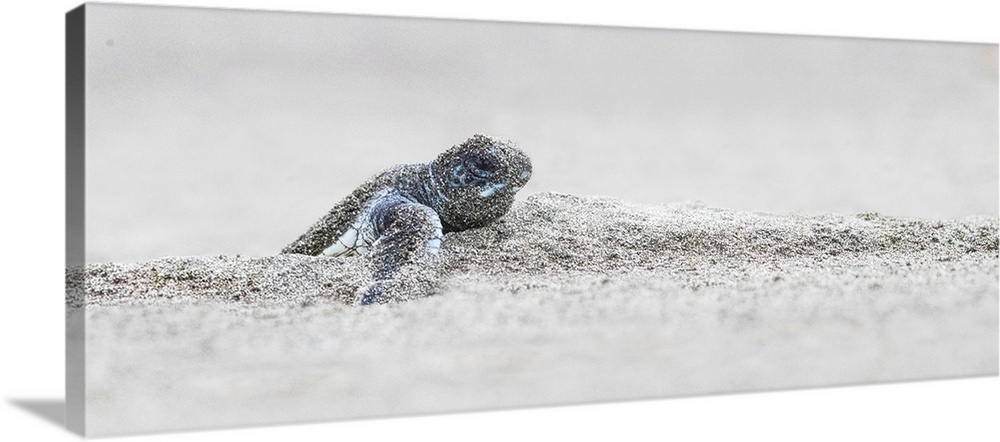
x,y
230,132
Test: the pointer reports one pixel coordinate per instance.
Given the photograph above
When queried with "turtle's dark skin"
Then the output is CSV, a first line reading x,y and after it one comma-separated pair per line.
x,y
402,213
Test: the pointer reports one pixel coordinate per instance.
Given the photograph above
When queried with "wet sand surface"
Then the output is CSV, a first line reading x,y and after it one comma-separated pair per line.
x,y
567,299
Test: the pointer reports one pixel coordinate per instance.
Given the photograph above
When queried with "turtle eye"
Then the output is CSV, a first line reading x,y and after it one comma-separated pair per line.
x,y
468,173
481,167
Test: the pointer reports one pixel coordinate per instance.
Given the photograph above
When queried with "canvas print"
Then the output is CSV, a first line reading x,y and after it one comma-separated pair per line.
x,y
278,217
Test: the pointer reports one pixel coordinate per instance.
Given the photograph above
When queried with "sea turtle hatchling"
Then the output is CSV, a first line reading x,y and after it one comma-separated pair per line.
x,y
401,214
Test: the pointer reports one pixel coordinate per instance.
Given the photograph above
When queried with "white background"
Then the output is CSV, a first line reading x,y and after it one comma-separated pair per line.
x,y
202,117
32,181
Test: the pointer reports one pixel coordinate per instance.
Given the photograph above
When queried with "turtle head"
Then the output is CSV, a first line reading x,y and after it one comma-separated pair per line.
x,y
478,180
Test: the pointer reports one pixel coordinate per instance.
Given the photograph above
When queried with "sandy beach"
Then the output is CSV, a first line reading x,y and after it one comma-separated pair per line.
x,y
567,299
210,139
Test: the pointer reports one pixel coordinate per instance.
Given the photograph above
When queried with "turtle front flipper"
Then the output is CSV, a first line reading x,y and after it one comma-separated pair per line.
x,y
407,237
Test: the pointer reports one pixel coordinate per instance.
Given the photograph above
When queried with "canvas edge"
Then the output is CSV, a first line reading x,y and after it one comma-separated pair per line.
x,y
75,209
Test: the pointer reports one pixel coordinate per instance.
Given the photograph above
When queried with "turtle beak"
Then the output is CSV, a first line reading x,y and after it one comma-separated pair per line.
x,y
491,189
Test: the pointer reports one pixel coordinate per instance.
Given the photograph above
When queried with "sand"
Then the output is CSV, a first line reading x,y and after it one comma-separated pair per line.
x,y
567,299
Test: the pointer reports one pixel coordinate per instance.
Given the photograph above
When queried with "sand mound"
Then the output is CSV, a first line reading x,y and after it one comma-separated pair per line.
x,y
556,235
567,299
